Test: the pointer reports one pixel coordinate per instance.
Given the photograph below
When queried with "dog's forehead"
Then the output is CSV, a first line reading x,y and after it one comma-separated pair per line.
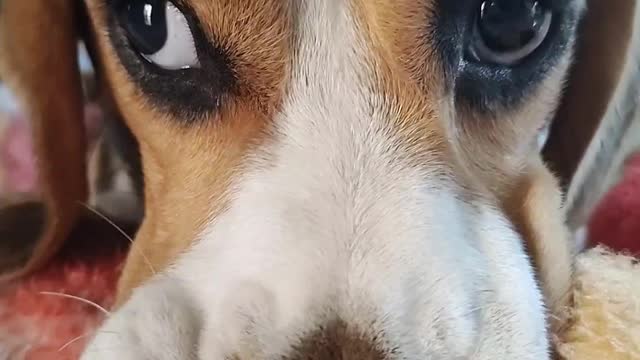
x,y
265,41
383,52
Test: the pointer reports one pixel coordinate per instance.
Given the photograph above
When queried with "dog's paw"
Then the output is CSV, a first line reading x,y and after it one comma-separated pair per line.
x,y
158,323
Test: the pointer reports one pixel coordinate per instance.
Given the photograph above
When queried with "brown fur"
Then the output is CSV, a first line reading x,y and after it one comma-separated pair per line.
x,y
177,207
408,72
256,35
534,206
42,70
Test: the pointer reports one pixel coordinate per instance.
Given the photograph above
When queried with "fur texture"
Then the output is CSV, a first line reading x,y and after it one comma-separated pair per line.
x,y
336,153
607,308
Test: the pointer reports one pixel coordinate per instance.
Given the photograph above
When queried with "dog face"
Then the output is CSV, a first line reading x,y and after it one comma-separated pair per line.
x,y
337,179
345,168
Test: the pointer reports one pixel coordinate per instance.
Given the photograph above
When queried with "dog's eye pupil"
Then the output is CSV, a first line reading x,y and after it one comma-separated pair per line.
x,y
160,33
509,25
146,25
507,31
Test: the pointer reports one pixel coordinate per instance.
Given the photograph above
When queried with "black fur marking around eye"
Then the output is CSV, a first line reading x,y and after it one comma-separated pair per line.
x,y
187,94
486,87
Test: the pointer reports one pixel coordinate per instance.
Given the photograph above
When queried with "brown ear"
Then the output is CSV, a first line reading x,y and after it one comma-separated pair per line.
x,y
38,60
597,86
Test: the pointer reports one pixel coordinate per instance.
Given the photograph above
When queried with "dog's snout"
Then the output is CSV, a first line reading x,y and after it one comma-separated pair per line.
x,y
323,269
306,312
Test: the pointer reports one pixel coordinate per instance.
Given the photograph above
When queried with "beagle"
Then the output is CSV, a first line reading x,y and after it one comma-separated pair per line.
x,y
327,179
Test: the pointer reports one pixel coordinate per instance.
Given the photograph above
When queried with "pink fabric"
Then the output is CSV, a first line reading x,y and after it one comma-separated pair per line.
x,y
615,222
36,326
16,156
16,150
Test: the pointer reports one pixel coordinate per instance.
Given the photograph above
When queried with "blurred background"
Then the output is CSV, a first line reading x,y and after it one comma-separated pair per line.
x,y
16,159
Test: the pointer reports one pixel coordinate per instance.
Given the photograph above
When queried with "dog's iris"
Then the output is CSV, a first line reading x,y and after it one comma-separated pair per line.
x,y
160,33
507,31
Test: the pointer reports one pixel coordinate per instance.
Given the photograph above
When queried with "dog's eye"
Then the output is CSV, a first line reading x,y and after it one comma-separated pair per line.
x,y
507,31
160,33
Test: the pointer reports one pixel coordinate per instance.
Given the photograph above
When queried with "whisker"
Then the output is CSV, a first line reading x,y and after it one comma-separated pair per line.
x,y
72,341
78,338
119,229
77,298
109,221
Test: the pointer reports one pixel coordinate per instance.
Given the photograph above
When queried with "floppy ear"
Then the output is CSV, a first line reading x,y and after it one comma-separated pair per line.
x,y
38,60
597,105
